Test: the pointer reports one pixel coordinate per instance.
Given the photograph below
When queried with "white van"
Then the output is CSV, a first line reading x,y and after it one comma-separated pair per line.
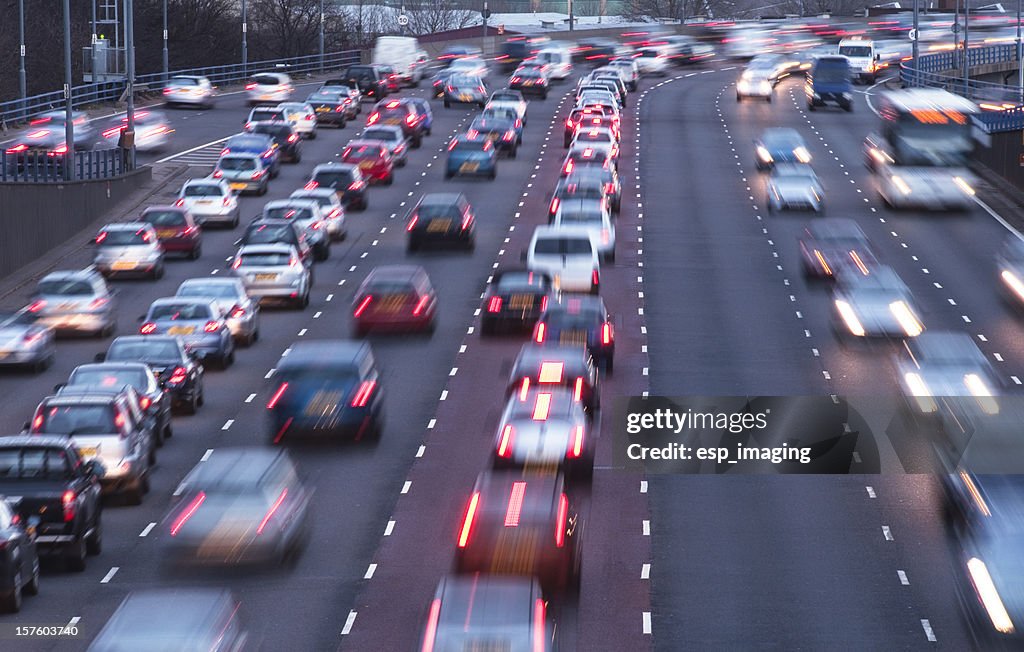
x,y
653,60
404,54
863,57
568,255
558,58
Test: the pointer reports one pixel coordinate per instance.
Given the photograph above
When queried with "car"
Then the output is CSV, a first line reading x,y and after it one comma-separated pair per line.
x,y
530,81
553,366
256,143
305,213
176,229
500,131
925,188
473,156
332,211
507,114
266,231
578,186
56,497
654,60
106,424
129,249
244,173
288,142
610,80
395,298
586,156
210,201
876,305
343,87
190,90
440,81
794,186
25,341
243,313
404,115
178,370
273,272
332,108
265,114
239,506
465,89
43,141
522,525
1010,266
516,49
471,66
780,145
454,52
269,87
579,321
369,79
326,388
567,255
404,55
533,68
471,612
423,108
373,158
603,139
756,82
302,117
591,117
558,58
628,69
72,302
509,98
390,76
180,618
833,244
595,216
599,93
545,427
392,137
515,299
198,321
19,562
938,365
153,400
441,218
608,176
346,180
829,79
601,101
152,131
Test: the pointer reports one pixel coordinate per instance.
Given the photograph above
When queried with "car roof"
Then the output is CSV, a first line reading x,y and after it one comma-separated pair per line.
x,y
882,277
145,338
394,272
334,166
290,201
179,299
836,228
126,226
532,356
545,231
114,364
539,499
323,353
947,346
248,463
314,192
164,618
577,303
216,280
440,198
81,274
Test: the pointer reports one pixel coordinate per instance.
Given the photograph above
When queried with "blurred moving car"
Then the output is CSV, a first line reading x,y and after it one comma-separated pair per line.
x,y
176,229
393,138
305,214
209,200
371,82
829,79
795,186
19,563
395,298
580,321
154,401
74,301
228,294
190,90
508,98
24,342
1010,265
515,299
198,321
937,365
780,145
332,107
269,88
403,114
244,173
500,131
530,81
178,370
553,366
345,180
326,388
332,211
567,255
576,187
593,215
833,245
288,141
273,272
256,143
470,155
441,218
373,158
128,248
876,305
465,89
301,116
152,131
755,82
43,142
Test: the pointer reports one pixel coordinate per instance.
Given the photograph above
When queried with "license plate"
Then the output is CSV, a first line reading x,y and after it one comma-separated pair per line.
x,y
521,301
393,121
181,330
573,338
492,136
3,354
392,304
265,277
469,167
439,226
123,265
323,109
465,97
366,165
166,233
204,202
89,451
323,403
238,186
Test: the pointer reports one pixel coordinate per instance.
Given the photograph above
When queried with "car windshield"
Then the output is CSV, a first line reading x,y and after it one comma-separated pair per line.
x,y
34,464
236,164
179,311
110,378
203,190
855,50
143,350
218,290
120,238
165,218
288,213
270,259
563,246
64,287
76,420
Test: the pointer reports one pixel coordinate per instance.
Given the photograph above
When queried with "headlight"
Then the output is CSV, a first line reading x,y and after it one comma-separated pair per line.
x,y
766,87
966,187
901,184
980,391
908,322
850,317
989,596
919,390
1013,282
763,153
802,154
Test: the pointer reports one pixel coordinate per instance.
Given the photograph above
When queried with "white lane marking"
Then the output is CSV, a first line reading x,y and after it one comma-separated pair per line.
x,y
887,533
999,218
904,580
444,395
189,151
269,374
316,315
645,572
348,623
74,620
110,575
406,486
643,486
928,631
206,455
454,371
370,570
431,424
871,492
390,528
249,398
149,528
419,451
647,528
647,615
227,424
303,332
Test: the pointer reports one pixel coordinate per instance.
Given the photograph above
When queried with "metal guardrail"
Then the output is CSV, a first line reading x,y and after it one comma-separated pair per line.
x,y
45,167
16,111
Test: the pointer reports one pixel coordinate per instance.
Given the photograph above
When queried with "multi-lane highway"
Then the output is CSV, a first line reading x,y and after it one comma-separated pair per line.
x,y
707,298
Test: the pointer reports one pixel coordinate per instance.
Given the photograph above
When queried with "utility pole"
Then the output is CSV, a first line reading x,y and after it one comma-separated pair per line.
x,y
22,86
69,123
571,18
913,44
245,50
484,15
165,42
129,48
322,17
1020,63
967,63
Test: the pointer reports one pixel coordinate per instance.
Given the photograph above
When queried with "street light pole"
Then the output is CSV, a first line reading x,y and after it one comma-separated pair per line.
x,y
571,20
69,123
165,41
322,35
913,44
1020,63
245,49
129,48
967,34
484,16
22,86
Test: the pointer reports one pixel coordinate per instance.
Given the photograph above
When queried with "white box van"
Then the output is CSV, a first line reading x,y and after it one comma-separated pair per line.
x,y
863,57
568,255
404,54
558,58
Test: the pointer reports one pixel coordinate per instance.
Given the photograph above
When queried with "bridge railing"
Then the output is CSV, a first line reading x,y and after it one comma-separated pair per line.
x,y
47,167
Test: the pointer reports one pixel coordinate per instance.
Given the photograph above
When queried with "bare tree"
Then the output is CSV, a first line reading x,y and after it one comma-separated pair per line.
x,y
284,28
430,16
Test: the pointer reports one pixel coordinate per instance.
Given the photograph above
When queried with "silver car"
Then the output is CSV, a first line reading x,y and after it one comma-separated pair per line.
x,y
198,321
75,301
269,88
393,138
302,116
243,173
273,272
878,304
795,186
243,314
25,342
209,200
186,89
332,211
306,214
130,248
940,365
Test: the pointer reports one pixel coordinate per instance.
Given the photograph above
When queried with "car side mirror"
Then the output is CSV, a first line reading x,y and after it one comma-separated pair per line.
x,y
59,386
878,57
100,357
25,427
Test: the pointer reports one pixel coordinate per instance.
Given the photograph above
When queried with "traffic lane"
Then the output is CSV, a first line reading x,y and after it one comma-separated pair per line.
x,y
809,547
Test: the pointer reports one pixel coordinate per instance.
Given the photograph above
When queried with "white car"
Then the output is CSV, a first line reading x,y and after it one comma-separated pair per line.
x,y
243,313
595,216
653,61
926,188
130,248
209,201
755,82
794,186
508,99
568,255
305,213
469,66
273,272
302,116
630,71
557,59
269,88
331,208
187,89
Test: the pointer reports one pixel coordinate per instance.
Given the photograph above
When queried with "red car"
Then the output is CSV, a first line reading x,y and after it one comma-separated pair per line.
x,y
395,298
176,229
373,159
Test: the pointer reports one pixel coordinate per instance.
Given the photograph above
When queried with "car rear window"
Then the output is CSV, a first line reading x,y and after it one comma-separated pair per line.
x,y
77,420
333,179
147,349
34,464
217,290
232,163
266,80
110,378
288,213
261,115
380,134
204,190
522,281
180,311
183,81
563,246
471,146
65,288
165,218
265,259
120,238
390,287
580,215
361,152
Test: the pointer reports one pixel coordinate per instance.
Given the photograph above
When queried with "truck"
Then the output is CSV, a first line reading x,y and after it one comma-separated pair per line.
x,y
920,154
56,492
404,54
865,60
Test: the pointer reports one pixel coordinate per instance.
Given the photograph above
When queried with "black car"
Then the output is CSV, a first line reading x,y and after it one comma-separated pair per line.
x,y
530,81
261,144
345,179
500,131
326,387
439,81
581,321
331,107
152,397
264,230
179,371
19,562
441,218
288,142
515,299
400,114
606,175
369,79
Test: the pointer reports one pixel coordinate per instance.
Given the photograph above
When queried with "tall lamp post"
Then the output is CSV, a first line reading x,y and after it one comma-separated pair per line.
x,y
69,123
245,50
22,87
913,44
129,50
165,42
322,35
1020,52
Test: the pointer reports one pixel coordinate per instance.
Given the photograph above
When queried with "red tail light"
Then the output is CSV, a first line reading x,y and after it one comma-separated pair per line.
x,y
363,305
472,133
217,174
539,630
273,509
237,263
189,230
37,422
577,393
451,89
257,174
310,116
98,302
237,312
467,219
421,305
224,151
293,138
180,203
452,144
509,135
356,185
37,305
467,521
187,513
112,132
595,278
145,402
293,262
539,334
101,237
339,108
554,206
374,117
494,305
609,188
363,394
568,166
543,303
412,223
606,334
563,513
60,149
576,443
410,120
17,149
211,327
249,87
178,376
148,328
310,185
67,501
515,80
272,403
504,448
431,632
39,121
167,91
